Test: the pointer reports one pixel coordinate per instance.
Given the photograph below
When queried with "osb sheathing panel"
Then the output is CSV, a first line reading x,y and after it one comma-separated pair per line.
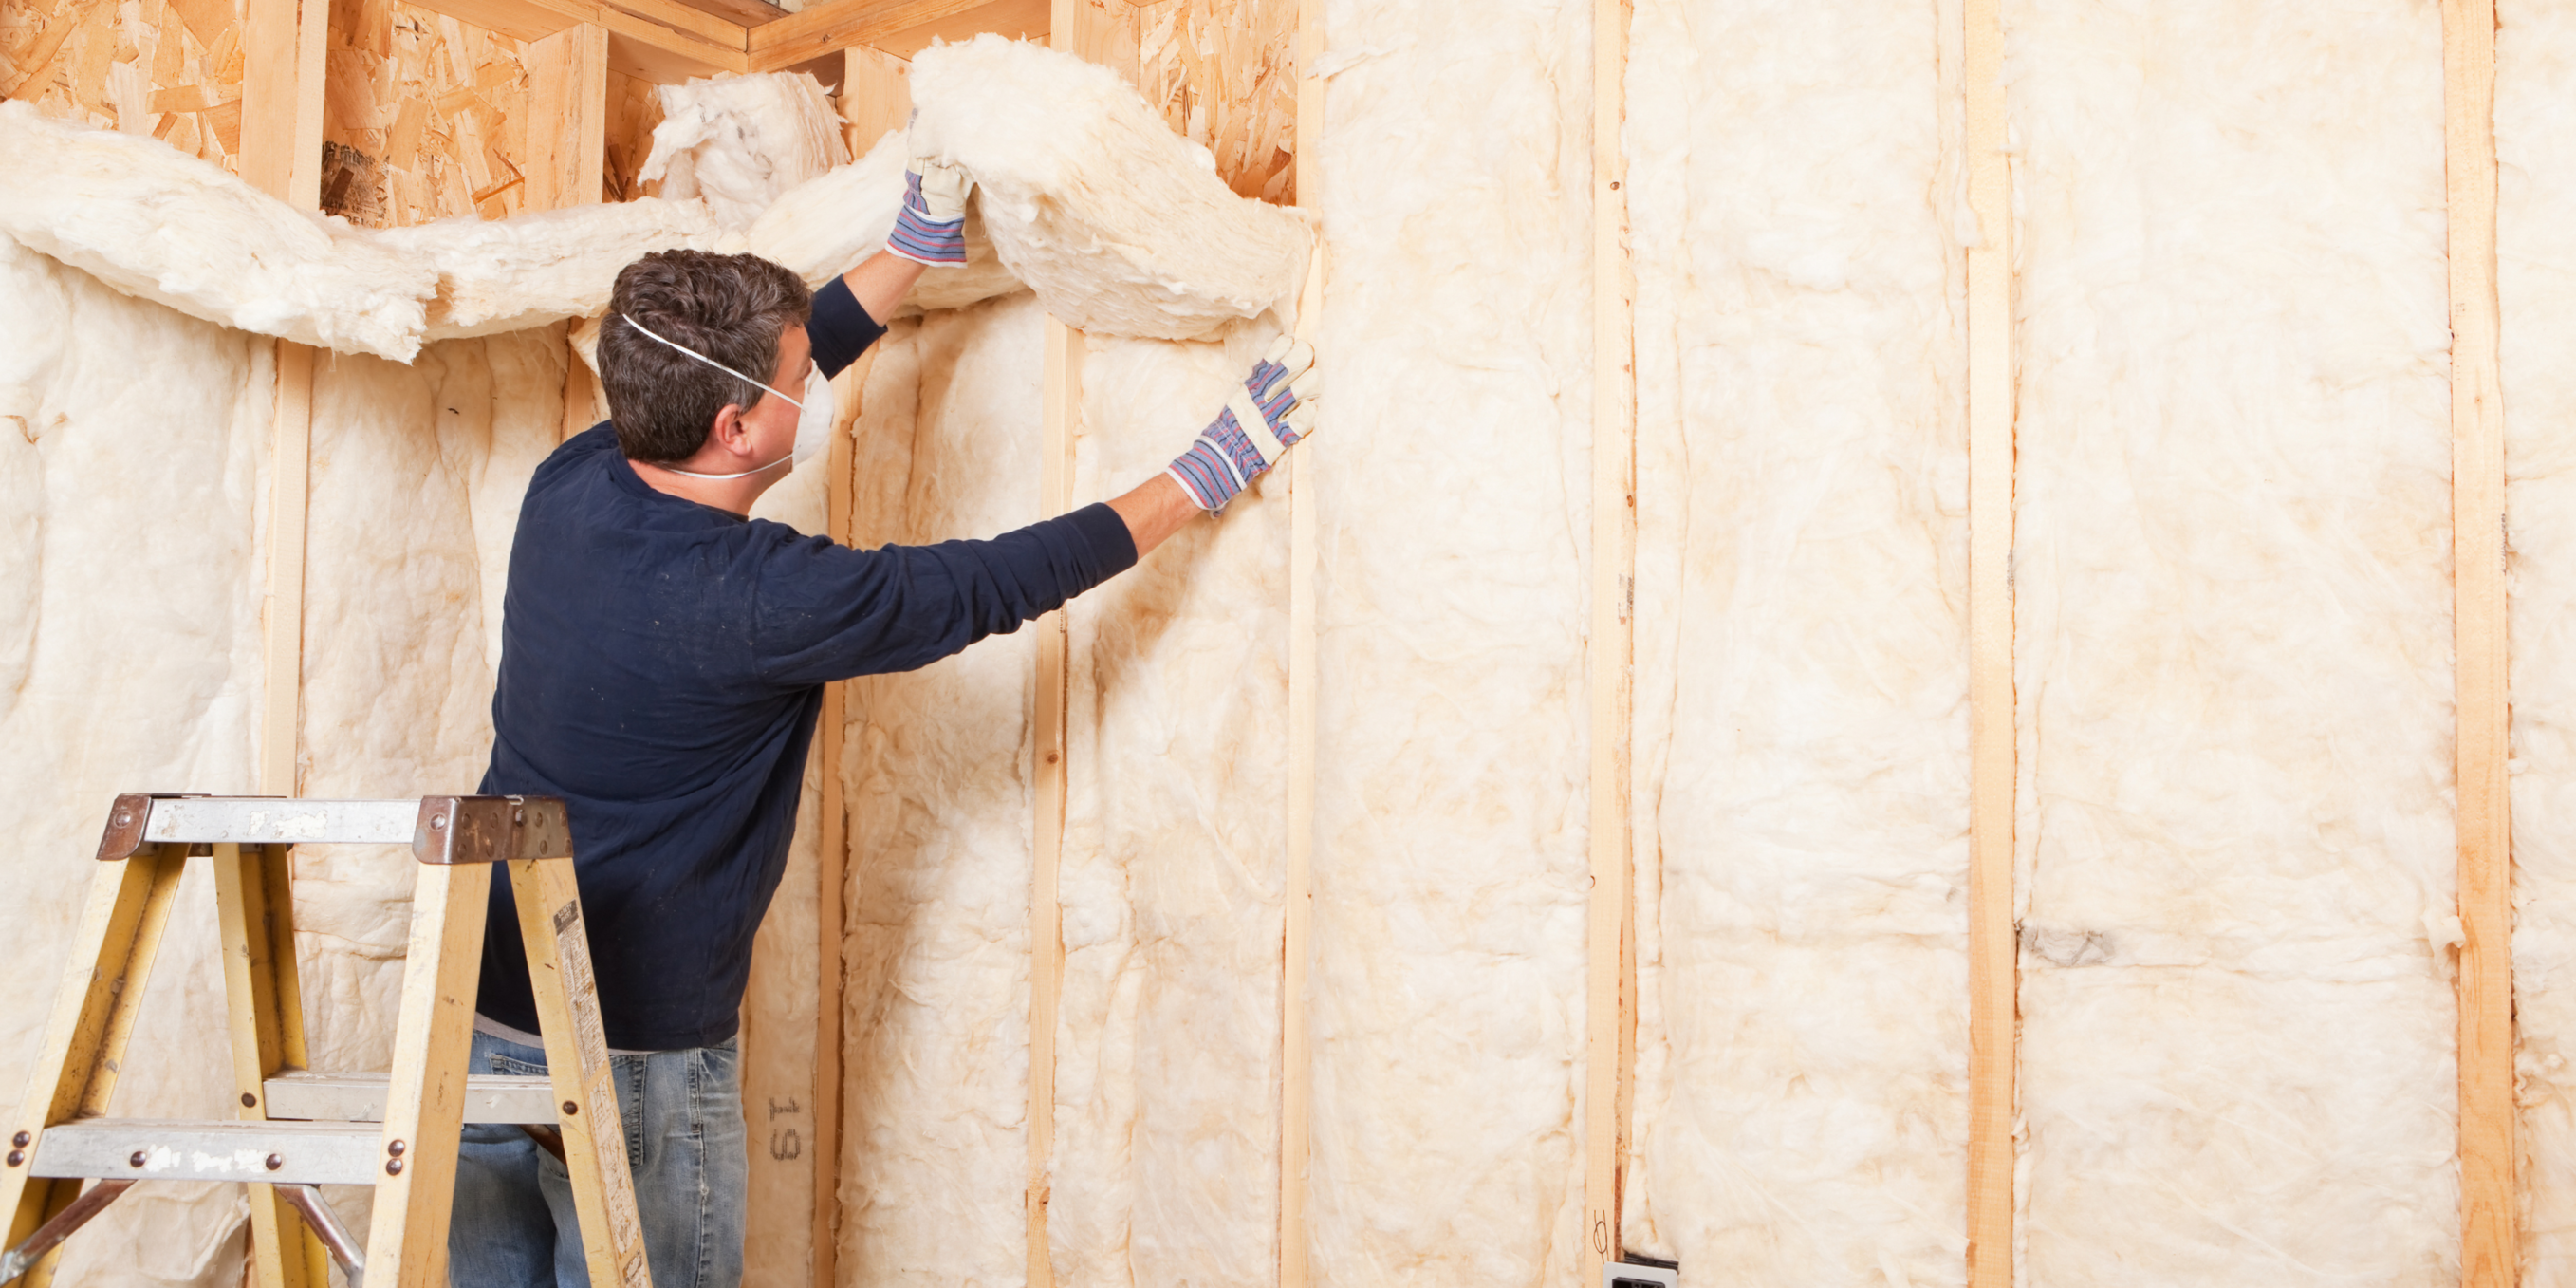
x,y
1223,73
425,117
633,110
173,71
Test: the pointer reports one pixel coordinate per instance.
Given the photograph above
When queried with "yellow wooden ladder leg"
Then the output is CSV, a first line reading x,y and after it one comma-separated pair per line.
x,y
603,1187
94,1015
425,1103
256,914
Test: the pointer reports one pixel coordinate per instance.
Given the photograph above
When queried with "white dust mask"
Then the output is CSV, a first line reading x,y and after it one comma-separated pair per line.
x,y
814,425
813,419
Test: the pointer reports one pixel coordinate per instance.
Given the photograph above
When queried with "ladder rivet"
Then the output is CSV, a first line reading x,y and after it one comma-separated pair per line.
x,y
394,1148
20,1140
276,1161
17,1156
394,1168
571,1110
518,816
249,1100
137,1160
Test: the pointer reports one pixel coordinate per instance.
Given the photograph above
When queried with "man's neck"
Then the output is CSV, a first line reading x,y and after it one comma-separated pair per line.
x,y
733,495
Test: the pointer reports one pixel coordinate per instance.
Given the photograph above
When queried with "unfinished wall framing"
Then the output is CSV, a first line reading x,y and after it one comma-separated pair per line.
x,y
1911,730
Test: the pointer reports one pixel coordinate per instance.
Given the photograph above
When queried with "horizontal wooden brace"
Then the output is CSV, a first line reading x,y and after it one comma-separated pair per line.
x,y
657,40
899,27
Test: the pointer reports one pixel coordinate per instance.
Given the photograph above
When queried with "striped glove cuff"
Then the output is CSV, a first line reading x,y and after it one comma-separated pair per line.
x,y
918,237
1220,464
1271,413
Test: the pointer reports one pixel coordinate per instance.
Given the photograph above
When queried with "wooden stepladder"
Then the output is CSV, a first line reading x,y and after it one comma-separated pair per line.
x,y
297,1129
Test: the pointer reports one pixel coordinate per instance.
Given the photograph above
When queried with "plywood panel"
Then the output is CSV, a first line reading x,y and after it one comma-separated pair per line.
x,y
1223,73
427,117
633,111
173,71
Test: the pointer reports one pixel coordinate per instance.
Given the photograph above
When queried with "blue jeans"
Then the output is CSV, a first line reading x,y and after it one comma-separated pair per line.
x,y
513,1224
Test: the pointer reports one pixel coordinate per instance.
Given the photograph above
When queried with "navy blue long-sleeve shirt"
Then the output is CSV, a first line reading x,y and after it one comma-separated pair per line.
x,y
662,665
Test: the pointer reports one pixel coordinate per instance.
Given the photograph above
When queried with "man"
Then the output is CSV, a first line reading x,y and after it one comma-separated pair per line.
x,y
662,664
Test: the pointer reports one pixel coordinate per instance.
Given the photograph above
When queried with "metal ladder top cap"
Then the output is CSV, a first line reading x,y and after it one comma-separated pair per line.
x,y
439,829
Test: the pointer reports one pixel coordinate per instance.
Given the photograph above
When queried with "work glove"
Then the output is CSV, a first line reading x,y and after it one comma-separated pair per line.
x,y
931,227
1274,411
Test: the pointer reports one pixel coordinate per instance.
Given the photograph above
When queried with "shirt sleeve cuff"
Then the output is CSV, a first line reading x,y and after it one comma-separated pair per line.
x,y
839,327
1111,543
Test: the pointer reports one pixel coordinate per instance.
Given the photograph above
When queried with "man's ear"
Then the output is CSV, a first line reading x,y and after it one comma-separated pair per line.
x,y
728,430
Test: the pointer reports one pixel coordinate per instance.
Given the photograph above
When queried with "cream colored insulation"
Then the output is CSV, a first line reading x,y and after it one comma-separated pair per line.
x,y
737,142
2234,645
160,225
133,476
1167,1069
1121,226
2232,649
1450,868
1801,765
535,269
843,217
935,1083
1087,186
2536,286
417,474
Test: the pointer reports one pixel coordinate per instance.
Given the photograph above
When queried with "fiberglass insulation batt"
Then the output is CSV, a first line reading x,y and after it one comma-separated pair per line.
x,y
417,474
2233,645
1121,226
2536,288
1450,871
1801,649
132,490
935,1058
1167,1068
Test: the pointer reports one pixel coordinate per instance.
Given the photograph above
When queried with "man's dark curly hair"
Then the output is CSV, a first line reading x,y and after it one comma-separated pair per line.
x,y
732,308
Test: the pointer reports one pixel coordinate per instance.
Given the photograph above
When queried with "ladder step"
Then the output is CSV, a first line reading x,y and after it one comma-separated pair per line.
x,y
360,1098
212,1150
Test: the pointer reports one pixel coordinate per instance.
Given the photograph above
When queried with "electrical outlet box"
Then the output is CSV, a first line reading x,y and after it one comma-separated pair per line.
x,y
1641,1274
